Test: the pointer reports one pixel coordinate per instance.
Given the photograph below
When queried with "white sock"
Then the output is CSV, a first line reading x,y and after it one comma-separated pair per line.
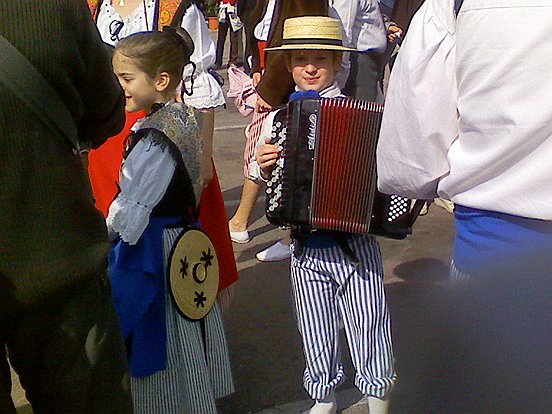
x,y
326,405
378,405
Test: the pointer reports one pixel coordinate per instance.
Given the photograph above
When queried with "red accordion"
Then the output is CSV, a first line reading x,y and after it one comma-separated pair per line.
x,y
326,175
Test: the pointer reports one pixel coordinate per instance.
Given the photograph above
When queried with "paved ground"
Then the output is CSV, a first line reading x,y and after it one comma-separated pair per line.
x,y
264,344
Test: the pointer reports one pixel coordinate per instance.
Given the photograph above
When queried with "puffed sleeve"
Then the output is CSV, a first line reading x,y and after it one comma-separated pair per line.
x,y
145,177
207,93
420,119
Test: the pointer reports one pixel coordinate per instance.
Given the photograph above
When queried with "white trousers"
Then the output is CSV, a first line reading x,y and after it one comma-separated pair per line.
x,y
327,287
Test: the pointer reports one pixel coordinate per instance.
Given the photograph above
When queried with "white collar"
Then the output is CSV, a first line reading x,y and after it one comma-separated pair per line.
x,y
331,91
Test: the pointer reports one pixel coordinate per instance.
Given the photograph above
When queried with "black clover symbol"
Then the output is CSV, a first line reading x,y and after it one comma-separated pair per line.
x,y
207,257
184,267
200,299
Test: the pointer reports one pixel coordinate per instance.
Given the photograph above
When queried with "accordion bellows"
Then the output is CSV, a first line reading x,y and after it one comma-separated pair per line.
x,y
326,176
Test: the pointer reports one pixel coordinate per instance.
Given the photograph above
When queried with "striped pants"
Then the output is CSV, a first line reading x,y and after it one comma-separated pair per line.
x,y
198,363
326,287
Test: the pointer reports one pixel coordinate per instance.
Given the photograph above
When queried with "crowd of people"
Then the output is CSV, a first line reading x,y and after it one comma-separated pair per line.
x,y
102,179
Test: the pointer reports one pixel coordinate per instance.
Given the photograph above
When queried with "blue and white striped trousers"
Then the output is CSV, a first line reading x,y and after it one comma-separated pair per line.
x,y
327,287
198,364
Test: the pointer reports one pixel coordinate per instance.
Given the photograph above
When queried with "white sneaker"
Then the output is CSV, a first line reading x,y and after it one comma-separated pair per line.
x,y
238,236
276,252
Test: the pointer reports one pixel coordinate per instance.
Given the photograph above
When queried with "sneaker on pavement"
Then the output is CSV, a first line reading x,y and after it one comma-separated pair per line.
x,y
239,236
276,252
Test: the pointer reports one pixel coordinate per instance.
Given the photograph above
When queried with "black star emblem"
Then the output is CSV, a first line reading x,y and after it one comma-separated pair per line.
x,y
184,267
207,257
200,299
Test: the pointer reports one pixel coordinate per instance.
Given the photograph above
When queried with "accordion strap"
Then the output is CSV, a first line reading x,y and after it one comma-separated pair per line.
x,y
28,84
340,240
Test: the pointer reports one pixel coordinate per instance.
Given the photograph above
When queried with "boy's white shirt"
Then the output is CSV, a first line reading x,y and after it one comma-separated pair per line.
x,y
332,91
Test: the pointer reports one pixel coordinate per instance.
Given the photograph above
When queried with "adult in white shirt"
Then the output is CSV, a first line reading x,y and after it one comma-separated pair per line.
x,y
468,118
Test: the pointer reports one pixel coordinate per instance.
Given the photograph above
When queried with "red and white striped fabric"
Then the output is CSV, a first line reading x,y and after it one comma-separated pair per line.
x,y
252,134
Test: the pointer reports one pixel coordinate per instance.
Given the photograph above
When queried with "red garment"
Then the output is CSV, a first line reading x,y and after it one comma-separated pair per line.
x,y
262,53
104,168
214,222
105,164
232,2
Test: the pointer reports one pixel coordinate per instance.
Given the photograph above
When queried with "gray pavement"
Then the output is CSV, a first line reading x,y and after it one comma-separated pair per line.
x,y
265,349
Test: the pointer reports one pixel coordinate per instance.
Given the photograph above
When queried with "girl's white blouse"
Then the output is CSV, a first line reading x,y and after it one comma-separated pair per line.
x,y
207,93
145,177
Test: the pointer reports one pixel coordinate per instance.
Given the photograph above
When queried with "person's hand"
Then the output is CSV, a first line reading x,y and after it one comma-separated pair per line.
x,y
206,170
256,78
262,105
266,156
394,33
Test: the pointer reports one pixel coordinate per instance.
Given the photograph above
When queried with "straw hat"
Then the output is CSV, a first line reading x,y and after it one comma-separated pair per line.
x,y
194,274
312,32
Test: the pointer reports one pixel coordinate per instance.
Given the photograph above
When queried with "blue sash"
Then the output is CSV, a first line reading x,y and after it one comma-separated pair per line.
x,y
138,276
488,242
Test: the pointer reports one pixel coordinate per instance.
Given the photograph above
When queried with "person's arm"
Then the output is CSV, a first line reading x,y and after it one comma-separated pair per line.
x,y
207,131
251,23
276,83
103,99
420,120
145,177
255,169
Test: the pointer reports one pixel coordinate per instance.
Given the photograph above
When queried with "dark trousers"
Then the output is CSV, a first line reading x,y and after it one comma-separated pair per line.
x,y
68,353
364,77
234,36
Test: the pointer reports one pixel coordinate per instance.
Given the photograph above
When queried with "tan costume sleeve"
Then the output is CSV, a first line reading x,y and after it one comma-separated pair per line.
x,y
277,82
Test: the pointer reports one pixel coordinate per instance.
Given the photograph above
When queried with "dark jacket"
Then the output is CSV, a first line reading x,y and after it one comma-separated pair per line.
x,y
277,82
403,10
245,7
50,233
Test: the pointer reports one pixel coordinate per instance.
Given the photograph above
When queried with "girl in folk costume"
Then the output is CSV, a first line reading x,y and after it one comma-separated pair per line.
x,y
117,19
177,365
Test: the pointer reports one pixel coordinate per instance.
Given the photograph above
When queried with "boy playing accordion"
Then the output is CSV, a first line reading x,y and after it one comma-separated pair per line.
x,y
335,275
